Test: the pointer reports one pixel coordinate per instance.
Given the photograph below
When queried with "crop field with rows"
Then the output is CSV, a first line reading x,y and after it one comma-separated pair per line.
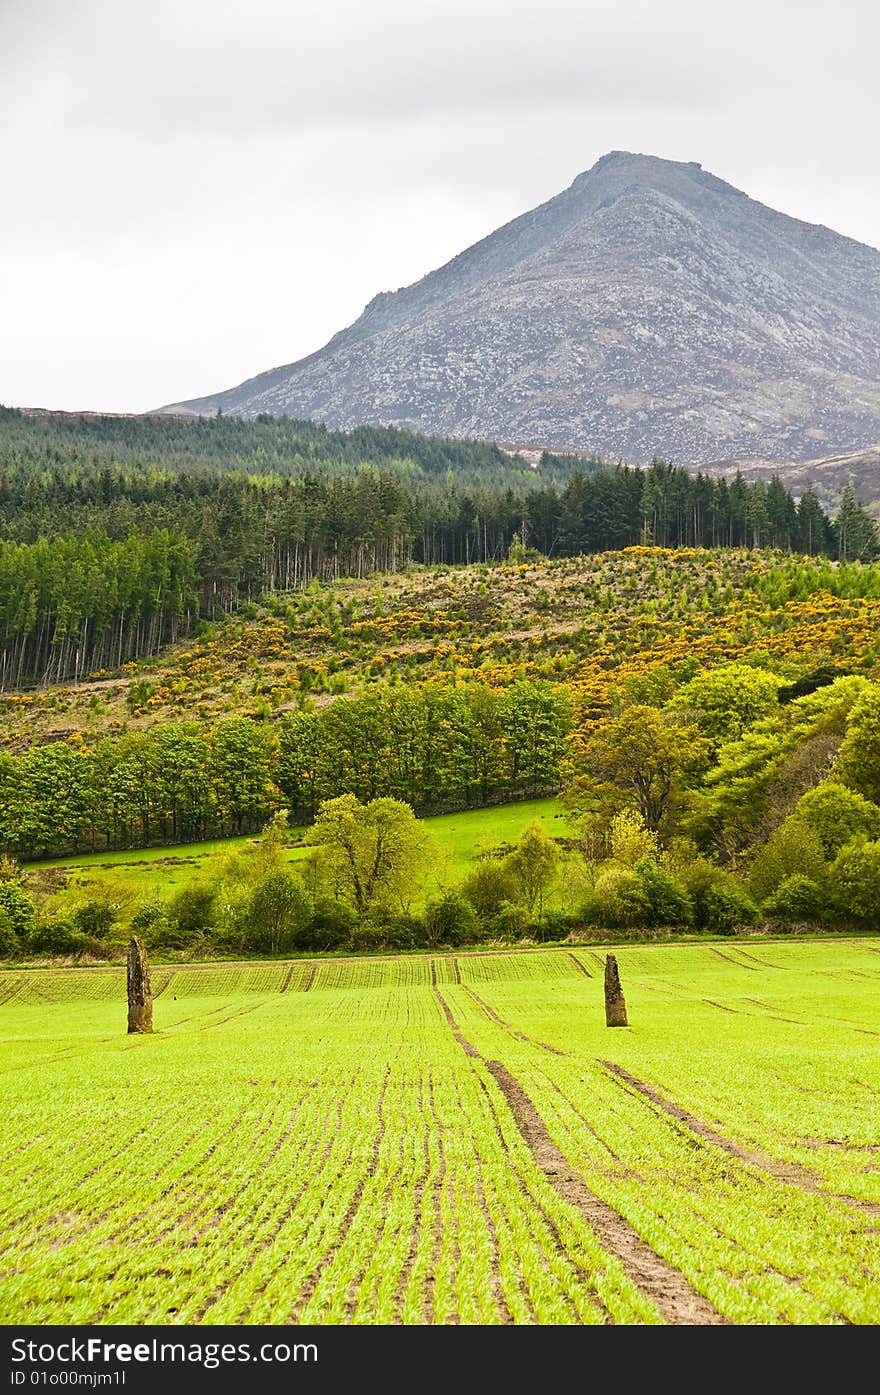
x,y
448,1139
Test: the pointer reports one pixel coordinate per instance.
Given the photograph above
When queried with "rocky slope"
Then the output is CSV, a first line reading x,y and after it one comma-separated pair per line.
x,y
648,309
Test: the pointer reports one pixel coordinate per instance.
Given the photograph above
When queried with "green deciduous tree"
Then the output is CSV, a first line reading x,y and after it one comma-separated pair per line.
x,y
728,699
375,853
487,886
859,760
855,881
533,865
277,912
793,847
643,756
450,919
18,916
837,814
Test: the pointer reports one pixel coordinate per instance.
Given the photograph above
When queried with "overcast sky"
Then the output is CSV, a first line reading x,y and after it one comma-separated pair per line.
x,y
197,190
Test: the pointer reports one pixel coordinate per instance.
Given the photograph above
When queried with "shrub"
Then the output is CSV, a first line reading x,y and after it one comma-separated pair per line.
x,y
368,935
278,911
837,815
668,902
510,922
619,898
630,839
400,930
95,918
19,916
55,936
193,910
331,925
720,902
487,887
533,865
855,879
450,920
794,847
727,907
10,944
554,926
797,898
153,925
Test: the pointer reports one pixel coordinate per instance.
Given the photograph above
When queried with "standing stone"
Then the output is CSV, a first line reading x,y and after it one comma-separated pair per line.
x,y
140,993
615,1003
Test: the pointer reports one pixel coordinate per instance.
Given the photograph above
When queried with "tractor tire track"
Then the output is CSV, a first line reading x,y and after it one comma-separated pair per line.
x,y
795,1174
666,1287
508,1027
581,967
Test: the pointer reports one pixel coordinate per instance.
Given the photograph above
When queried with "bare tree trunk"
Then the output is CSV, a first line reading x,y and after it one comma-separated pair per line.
x,y
140,993
615,1003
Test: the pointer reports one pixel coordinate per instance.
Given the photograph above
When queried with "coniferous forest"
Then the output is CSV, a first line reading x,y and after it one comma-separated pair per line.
x,y
117,533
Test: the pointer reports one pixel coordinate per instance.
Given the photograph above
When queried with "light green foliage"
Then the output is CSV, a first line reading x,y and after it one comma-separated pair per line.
x,y
668,902
10,944
451,919
728,699
336,1156
18,917
152,925
793,847
619,898
374,854
837,815
510,921
278,910
487,886
95,917
720,903
533,866
736,790
241,763
192,911
797,898
855,881
859,761
645,756
630,840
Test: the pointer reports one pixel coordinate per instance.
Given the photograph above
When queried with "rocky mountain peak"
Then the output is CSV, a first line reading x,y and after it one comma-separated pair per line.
x,y
650,308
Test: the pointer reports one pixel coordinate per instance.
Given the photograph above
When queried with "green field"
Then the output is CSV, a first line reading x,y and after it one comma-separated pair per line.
x,y
158,871
448,1139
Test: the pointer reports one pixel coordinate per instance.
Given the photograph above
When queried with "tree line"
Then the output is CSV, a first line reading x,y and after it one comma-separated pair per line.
x,y
435,747
115,533
73,605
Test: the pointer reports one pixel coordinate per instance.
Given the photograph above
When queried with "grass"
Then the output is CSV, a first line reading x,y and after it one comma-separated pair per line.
x,y
154,872
339,1141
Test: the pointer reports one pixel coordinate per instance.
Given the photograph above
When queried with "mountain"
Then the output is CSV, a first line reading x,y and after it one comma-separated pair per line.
x,y
649,309
826,476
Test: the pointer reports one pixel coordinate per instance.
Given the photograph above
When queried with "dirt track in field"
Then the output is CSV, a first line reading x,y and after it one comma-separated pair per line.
x,y
791,1172
668,1289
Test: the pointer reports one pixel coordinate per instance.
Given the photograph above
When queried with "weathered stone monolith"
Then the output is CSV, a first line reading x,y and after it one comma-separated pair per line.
x,y
140,993
615,1003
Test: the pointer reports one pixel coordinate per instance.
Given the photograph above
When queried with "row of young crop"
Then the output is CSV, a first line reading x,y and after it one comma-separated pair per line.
x,y
222,979
761,1248
339,1156
345,1179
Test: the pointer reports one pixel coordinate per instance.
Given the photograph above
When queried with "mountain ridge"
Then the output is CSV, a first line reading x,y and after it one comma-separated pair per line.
x,y
649,308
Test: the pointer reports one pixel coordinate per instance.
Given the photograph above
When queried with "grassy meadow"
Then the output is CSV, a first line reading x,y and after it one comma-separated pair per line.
x,y
448,1138
147,872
